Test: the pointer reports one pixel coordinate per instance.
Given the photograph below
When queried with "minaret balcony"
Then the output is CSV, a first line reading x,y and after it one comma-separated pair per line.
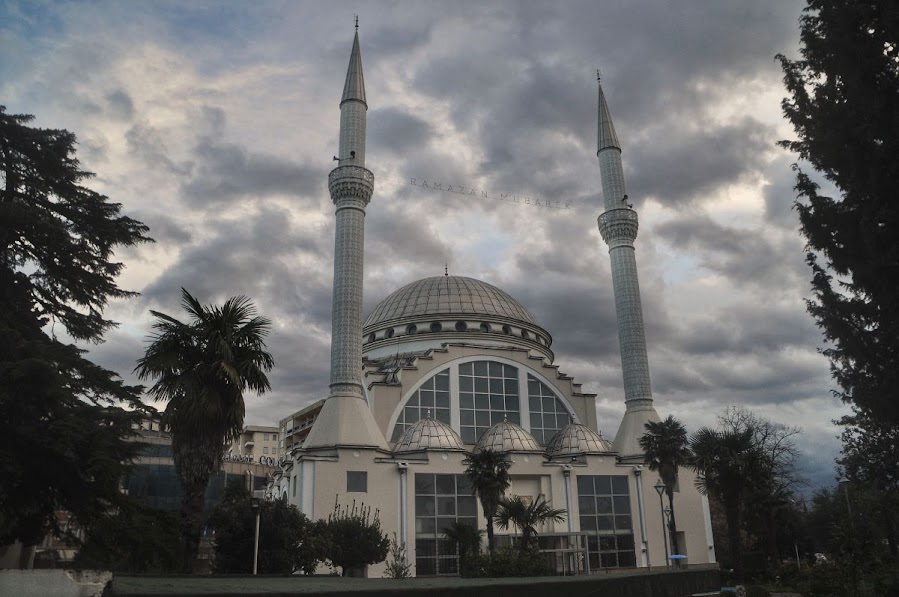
x,y
353,182
618,226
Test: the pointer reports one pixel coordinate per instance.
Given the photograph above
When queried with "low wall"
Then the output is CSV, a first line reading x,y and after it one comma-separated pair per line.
x,y
58,583
680,583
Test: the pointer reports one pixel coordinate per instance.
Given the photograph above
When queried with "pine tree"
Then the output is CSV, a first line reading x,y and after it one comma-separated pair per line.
x,y
844,106
66,446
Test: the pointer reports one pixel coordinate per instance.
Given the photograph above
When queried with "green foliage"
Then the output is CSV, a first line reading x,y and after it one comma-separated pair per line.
x,y
398,565
352,538
135,539
467,540
488,473
68,446
843,98
526,515
666,449
748,465
286,537
202,369
506,562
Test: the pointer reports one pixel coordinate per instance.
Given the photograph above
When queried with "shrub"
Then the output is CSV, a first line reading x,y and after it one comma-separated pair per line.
x,y
351,538
505,562
286,541
133,539
398,566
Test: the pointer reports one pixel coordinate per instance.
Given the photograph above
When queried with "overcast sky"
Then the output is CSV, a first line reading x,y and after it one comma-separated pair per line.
x,y
215,124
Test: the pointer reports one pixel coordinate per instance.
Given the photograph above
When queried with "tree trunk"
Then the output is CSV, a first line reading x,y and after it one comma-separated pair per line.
x,y
773,550
490,533
732,513
191,518
672,524
26,557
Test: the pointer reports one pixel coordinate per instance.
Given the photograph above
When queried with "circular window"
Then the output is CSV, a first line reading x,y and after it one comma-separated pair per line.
x,y
485,327
525,334
436,326
411,329
371,337
461,326
507,329
389,333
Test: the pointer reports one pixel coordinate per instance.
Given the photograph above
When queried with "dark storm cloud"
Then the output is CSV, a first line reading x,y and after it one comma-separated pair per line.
x,y
225,172
396,39
744,256
396,131
247,257
683,165
748,329
120,105
164,229
148,144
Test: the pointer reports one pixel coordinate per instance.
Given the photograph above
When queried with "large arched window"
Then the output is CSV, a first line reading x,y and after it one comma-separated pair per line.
x,y
488,393
433,395
548,414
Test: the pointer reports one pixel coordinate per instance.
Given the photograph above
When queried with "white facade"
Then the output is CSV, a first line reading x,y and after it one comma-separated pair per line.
x,y
448,365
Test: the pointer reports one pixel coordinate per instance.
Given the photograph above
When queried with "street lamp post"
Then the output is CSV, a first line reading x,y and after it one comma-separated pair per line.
x,y
254,503
660,489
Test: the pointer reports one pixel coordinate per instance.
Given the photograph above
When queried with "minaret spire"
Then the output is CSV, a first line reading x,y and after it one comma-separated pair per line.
x,y
618,226
345,418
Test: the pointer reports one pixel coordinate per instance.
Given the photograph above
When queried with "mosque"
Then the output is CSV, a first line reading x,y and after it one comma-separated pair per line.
x,y
449,365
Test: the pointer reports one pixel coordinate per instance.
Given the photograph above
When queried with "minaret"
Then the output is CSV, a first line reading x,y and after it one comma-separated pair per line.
x,y
345,418
618,226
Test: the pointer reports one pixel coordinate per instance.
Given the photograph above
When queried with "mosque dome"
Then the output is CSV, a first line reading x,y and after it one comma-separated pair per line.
x,y
451,308
576,439
428,434
506,436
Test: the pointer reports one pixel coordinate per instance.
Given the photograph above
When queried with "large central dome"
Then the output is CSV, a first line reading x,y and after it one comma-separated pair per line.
x,y
428,313
447,295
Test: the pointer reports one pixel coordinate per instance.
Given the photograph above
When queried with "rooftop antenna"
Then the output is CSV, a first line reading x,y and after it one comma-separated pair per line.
x,y
446,269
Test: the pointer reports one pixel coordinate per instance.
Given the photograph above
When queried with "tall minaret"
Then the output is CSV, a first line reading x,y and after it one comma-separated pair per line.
x,y
618,226
345,418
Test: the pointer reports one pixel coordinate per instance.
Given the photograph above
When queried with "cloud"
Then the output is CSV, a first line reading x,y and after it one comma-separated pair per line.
x,y
216,126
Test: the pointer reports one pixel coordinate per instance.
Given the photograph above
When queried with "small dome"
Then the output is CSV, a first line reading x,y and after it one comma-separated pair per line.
x,y
507,437
576,439
447,295
429,434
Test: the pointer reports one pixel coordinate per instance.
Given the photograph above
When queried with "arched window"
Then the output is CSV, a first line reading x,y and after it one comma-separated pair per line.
x,y
433,395
371,337
411,329
485,327
436,326
488,392
389,333
461,326
548,413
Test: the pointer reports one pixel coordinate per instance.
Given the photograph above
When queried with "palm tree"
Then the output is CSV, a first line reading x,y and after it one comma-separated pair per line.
x,y
525,515
201,369
466,538
727,463
488,473
665,448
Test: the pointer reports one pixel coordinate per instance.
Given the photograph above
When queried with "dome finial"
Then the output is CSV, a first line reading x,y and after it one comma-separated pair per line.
x,y
446,269
428,415
357,24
